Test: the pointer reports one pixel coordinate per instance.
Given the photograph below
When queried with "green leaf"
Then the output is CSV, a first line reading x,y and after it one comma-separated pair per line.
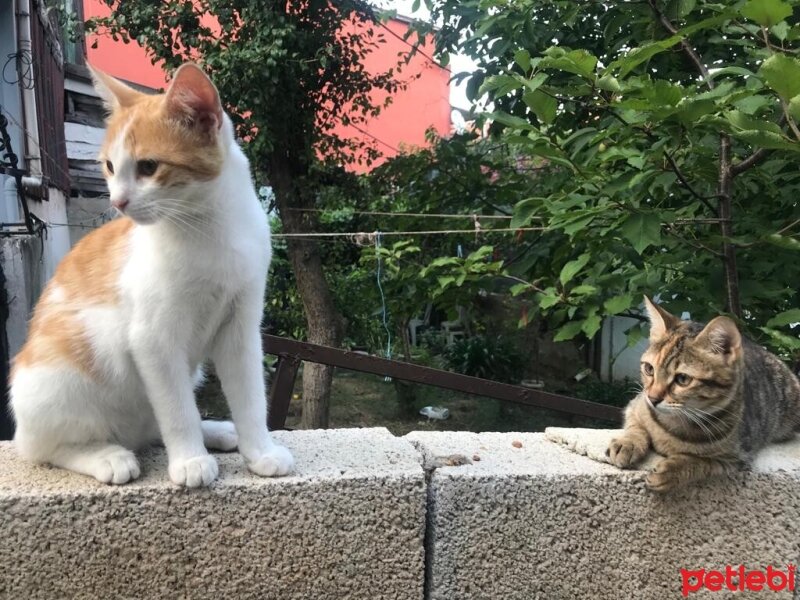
x,y
568,331
617,304
787,341
782,74
519,288
635,334
664,93
642,230
579,62
591,325
542,105
784,241
638,55
609,84
794,107
781,30
510,120
752,104
534,82
747,123
690,111
583,290
572,268
500,85
767,139
766,12
681,8
549,299
524,211
523,59
785,318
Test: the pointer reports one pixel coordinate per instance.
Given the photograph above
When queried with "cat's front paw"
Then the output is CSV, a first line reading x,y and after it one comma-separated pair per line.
x,y
193,472
667,475
625,452
116,467
275,462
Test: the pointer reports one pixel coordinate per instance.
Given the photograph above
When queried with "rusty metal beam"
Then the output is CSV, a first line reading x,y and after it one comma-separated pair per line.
x,y
356,361
280,392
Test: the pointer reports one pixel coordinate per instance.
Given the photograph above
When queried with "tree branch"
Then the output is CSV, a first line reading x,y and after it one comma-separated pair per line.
x,y
675,168
679,174
687,47
751,161
725,185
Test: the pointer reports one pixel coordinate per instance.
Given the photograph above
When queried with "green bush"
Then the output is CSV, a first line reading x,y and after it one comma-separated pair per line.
x,y
488,357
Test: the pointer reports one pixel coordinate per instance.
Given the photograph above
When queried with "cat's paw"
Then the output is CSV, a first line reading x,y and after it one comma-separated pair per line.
x,y
116,467
625,452
275,462
666,476
220,435
194,472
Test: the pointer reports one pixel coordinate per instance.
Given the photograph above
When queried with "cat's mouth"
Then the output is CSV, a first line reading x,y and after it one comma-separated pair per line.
x,y
142,215
663,407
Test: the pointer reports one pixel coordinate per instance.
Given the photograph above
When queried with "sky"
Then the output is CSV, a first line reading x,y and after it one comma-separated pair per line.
x,y
458,63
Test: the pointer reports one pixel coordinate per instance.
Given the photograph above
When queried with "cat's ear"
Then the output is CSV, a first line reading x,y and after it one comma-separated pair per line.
x,y
193,99
660,320
721,336
113,92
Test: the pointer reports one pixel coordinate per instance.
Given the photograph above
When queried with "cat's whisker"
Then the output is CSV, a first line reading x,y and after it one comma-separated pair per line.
x,y
184,225
716,427
694,419
176,216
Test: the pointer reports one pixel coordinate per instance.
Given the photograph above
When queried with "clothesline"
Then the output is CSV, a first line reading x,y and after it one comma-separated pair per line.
x,y
368,237
471,217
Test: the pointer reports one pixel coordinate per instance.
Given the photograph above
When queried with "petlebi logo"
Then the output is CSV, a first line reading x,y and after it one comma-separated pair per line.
x,y
738,579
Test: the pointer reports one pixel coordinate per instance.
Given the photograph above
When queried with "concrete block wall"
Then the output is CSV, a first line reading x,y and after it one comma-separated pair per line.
x,y
530,519
432,515
349,525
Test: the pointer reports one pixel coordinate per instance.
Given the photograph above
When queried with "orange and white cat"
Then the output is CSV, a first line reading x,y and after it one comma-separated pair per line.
x,y
132,312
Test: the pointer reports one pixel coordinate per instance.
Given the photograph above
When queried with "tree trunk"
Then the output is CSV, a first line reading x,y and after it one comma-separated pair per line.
x,y
324,323
724,192
726,173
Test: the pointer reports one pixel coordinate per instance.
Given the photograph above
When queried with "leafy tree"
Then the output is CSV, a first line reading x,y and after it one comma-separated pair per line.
x,y
671,126
289,73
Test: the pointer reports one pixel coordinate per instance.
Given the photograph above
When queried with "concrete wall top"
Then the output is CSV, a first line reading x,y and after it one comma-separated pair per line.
x,y
532,519
320,455
506,454
350,524
515,516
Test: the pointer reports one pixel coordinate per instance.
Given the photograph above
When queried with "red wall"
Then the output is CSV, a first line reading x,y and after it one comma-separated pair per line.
x,y
126,61
401,126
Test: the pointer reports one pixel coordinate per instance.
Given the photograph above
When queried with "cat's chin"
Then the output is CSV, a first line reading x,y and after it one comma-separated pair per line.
x,y
142,219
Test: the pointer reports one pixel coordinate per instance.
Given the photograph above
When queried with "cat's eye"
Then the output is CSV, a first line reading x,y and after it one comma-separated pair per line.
x,y
146,168
682,379
110,167
647,368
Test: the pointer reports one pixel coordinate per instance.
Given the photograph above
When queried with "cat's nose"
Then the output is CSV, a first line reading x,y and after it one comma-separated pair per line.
x,y
120,204
655,399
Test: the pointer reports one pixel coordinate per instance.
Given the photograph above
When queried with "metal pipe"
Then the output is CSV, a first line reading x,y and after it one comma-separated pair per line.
x,y
29,119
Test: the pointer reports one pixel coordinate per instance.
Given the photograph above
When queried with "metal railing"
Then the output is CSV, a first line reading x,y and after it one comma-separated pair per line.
x,y
291,353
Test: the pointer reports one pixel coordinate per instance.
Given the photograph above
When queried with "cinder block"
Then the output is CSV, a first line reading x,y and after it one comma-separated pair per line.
x,y
531,519
350,524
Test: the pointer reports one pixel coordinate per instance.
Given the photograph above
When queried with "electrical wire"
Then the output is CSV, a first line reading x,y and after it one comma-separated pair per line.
x,y
23,63
410,215
368,235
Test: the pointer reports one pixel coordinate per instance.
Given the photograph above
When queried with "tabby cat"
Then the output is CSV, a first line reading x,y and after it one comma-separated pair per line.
x,y
710,400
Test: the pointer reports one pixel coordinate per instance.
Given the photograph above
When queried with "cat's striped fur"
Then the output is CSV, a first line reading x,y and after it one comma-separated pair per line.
x,y
710,400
